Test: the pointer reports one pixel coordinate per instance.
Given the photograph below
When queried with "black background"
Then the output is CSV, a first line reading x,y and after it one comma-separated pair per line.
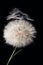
x,y
32,54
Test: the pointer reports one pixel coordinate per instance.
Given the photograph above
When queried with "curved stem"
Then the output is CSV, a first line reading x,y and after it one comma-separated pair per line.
x,y
17,52
11,56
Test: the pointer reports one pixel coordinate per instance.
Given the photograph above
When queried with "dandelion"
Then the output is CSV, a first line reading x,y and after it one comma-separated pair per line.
x,y
19,32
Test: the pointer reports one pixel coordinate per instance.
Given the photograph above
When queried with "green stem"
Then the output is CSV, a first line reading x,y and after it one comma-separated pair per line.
x,y
17,52
11,56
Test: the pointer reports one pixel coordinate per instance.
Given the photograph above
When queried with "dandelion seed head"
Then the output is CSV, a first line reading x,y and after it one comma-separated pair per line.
x,y
19,32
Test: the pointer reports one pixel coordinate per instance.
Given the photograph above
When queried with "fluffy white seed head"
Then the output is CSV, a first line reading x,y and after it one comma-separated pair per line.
x,y
19,33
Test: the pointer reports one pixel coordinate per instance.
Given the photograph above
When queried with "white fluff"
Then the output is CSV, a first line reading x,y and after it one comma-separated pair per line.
x,y
19,33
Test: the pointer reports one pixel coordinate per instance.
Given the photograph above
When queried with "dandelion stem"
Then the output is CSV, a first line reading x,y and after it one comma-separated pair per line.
x,y
11,56
17,52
